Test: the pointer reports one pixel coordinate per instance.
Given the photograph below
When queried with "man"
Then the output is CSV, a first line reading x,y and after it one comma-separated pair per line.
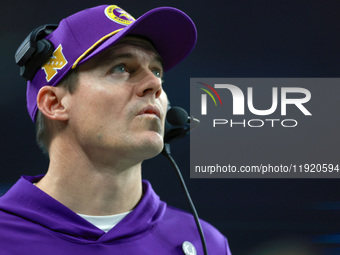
x,y
100,110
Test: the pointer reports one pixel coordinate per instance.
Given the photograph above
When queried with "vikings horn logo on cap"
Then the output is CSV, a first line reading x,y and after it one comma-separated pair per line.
x,y
118,15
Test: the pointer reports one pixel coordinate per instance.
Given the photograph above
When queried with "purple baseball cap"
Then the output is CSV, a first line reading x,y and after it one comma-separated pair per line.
x,y
85,34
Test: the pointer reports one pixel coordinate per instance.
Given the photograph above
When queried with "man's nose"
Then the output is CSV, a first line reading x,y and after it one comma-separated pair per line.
x,y
149,84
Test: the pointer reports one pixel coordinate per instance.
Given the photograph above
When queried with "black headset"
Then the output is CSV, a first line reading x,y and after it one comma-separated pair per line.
x,y
34,51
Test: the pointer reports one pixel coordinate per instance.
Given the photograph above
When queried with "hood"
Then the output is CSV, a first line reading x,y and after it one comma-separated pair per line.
x,y
29,202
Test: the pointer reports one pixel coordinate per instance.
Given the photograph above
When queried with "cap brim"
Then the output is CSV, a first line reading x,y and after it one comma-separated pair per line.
x,y
172,32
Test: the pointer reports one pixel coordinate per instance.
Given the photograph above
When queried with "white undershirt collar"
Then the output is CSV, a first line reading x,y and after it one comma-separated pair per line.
x,y
104,223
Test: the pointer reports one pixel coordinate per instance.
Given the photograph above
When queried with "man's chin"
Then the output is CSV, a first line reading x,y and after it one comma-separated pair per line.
x,y
151,146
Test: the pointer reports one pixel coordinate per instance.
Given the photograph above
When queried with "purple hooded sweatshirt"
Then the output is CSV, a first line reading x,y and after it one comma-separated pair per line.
x,y
32,222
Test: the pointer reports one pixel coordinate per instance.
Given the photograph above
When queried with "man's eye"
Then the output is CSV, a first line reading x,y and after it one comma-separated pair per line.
x,y
119,69
157,73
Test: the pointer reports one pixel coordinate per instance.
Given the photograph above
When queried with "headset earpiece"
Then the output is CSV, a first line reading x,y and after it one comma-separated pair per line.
x,y
34,51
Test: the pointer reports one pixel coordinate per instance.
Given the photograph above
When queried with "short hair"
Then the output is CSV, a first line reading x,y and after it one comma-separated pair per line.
x,y
43,134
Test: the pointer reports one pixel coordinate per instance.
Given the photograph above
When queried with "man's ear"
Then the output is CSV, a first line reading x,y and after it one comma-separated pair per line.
x,y
50,102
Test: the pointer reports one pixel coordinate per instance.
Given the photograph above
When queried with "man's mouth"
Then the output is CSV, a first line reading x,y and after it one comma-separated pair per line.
x,y
152,110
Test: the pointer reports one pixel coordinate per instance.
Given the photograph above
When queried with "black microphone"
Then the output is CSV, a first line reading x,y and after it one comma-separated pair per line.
x,y
177,116
175,125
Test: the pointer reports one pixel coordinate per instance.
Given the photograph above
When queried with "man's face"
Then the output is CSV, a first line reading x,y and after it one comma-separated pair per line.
x,y
119,106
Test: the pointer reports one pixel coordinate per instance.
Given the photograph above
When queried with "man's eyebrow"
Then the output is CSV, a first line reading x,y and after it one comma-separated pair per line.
x,y
112,56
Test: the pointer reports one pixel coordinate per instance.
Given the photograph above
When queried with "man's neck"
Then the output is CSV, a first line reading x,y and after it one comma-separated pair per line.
x,y
90,189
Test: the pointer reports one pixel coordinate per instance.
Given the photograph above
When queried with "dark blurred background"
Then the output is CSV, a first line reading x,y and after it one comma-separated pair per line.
x,y
248,38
